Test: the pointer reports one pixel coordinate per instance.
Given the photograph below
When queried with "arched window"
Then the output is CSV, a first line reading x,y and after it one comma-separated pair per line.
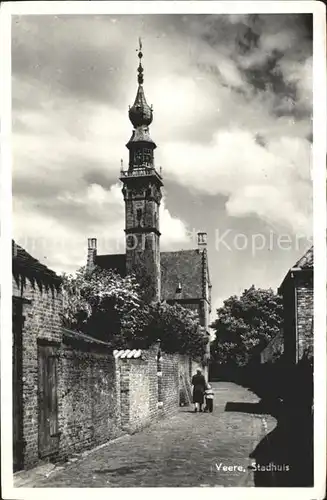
x,y
138,157
147,156
139,215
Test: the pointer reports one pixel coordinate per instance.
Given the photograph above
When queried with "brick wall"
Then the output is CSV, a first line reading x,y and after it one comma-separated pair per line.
x,y
155,380
289,315
304,317
138,390
297,292
41,321
89,412
185,375
170,383
139,395
88,389
98,397
150,390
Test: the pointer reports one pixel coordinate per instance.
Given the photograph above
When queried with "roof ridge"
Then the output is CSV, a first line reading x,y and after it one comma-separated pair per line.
x,y
182,250
22,257
306,261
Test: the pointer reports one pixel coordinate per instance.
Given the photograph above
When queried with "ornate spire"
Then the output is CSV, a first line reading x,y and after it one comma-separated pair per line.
x,y
140,113
140,78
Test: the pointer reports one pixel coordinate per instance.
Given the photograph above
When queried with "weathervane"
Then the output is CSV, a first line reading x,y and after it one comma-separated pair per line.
x,y
140,68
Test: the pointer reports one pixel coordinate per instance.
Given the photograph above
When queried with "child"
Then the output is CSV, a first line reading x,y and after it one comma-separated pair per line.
x,y
209,398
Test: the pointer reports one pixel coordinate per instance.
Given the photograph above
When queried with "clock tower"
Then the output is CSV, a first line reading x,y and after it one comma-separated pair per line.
x,y
142,195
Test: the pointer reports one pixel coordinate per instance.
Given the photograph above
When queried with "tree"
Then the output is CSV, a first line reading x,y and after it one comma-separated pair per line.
x,y
245,325
178,329
105,305
113,309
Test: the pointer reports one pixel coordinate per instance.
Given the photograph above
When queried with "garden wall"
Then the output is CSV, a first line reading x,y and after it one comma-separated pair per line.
x,y
89,410
149,386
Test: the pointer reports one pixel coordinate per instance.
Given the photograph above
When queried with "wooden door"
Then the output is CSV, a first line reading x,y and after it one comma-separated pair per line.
x,y
48,403
17,386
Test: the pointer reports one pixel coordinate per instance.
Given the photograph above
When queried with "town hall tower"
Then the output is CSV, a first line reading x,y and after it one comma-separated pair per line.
x,y
142,195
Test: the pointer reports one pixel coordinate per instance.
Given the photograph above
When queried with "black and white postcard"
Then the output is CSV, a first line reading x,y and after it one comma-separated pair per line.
x,y
163,260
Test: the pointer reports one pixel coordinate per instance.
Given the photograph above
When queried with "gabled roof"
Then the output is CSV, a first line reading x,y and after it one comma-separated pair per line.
x,y
306,261
184,268
116,262
23,264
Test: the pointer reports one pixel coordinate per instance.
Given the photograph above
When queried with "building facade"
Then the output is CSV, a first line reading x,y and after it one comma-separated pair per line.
x,y
287,361
37,305
297,293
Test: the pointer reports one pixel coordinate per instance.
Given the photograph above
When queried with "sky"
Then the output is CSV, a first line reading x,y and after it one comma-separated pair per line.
x,y
232,100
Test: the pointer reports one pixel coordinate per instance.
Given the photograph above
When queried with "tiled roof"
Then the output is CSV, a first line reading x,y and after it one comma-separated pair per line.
x,y
128,353
183,268
116,262
71,335
25,265
306,261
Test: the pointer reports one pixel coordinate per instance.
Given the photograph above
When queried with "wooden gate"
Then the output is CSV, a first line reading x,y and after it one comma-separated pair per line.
x,y
17,385
48,403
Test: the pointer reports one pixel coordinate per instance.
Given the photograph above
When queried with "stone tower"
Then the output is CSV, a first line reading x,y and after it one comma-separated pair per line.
x,y
142,195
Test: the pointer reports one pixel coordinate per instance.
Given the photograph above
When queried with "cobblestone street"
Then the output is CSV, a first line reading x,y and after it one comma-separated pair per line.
x,y
182,451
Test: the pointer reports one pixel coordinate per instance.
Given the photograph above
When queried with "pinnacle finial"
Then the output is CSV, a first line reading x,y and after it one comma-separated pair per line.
x,y
140,113
140,78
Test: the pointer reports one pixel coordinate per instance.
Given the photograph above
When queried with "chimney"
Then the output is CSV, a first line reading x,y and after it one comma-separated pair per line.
x,y
91,253
202,241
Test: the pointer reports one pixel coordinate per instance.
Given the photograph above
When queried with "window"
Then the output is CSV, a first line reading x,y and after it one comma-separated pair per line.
x,y
147,156
138,157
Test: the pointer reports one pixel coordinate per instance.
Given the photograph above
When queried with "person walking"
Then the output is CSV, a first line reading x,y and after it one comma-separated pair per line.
x,y
199,385
209,399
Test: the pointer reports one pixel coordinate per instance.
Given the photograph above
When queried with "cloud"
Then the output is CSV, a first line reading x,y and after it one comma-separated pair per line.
x,y
272,182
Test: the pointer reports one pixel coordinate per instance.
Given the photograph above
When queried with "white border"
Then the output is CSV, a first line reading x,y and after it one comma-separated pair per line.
x,y
319,181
